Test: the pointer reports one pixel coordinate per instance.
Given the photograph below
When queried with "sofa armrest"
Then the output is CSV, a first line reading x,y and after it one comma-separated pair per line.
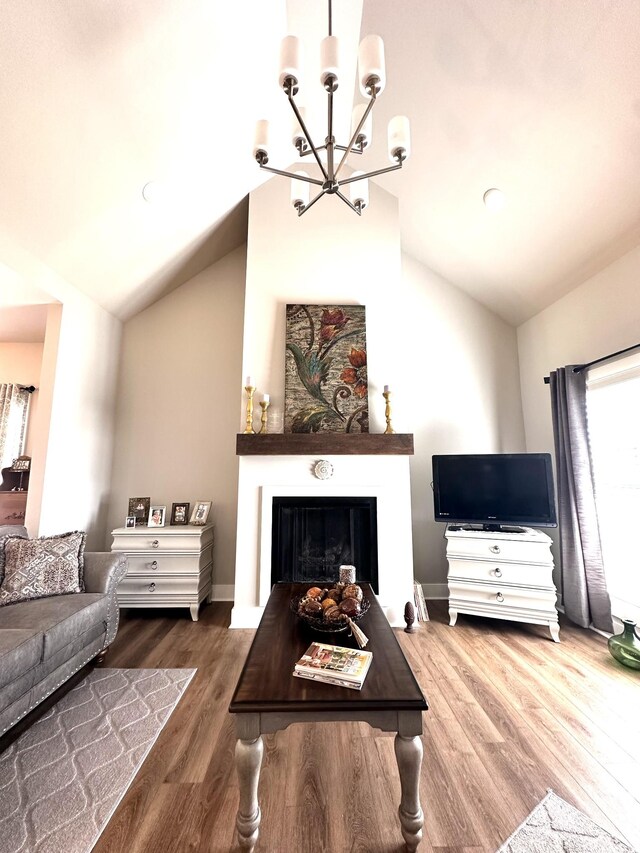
x,y
103,571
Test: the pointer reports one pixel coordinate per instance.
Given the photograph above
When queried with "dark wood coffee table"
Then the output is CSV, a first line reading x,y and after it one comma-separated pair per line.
x,y
268,698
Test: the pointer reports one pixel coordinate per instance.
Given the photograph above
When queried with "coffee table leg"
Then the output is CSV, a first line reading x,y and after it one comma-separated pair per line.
x,y
248,761
409,758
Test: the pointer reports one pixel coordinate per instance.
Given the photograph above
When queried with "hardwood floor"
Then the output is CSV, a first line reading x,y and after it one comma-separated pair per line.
x,y
511,715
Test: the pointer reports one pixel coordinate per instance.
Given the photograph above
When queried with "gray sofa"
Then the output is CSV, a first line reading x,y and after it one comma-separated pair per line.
x,y
44,642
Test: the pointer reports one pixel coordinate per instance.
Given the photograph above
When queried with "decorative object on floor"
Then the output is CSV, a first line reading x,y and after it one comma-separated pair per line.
x,y
157,516
555,825
180,513
250,391
39,568
200,512
372,80
625,647
64,777
387,411
409,618
326,369
139,507
264,405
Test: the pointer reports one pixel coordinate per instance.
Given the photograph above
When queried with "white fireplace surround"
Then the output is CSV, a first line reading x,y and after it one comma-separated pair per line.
x,y
261,478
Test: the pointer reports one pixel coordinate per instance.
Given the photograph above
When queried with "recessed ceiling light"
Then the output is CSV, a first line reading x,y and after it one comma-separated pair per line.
x,y
151,192
494,200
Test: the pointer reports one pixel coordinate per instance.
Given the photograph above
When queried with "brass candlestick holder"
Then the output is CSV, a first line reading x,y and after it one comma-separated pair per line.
x,y
264,405
387,413
250,389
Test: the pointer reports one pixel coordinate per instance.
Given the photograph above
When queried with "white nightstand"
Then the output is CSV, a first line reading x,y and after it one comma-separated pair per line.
x,y
168,566
503,575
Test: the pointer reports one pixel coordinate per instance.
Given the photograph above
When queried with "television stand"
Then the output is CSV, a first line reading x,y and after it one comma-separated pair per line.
x,y
489,528
502,574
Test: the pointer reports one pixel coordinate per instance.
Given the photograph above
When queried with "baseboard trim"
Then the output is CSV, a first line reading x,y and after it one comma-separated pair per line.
x,y
222,592
246,617
435,590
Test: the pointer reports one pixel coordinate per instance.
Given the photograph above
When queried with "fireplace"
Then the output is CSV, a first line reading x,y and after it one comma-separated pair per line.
x,y
311,537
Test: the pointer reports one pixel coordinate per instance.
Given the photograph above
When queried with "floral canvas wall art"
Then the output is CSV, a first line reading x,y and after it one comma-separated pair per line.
x,y
326,369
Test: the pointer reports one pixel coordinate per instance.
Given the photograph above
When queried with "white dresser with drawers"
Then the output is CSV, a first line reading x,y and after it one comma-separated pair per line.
x,y
502,575
168,566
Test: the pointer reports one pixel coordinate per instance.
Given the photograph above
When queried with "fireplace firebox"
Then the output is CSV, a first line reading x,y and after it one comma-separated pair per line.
x,y
312,537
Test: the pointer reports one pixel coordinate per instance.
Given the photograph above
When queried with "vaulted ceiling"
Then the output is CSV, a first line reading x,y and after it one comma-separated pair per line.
x,y
540,99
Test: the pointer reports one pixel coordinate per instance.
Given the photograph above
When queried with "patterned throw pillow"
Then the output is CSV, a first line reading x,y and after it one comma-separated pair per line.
x,y
3,538
37,568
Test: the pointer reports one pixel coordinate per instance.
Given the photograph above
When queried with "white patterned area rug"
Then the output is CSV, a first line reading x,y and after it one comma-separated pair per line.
x,y
63,778
555,826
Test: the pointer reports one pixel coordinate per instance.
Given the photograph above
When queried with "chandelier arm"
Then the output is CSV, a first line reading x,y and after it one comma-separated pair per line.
x,y
312,202
307,136
347,202
330,140
296,175
355,133
371,174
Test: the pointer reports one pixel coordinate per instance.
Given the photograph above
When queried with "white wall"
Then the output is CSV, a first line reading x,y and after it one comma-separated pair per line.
x,y
452,365
79,446
460,376
177,404
20,363
597,318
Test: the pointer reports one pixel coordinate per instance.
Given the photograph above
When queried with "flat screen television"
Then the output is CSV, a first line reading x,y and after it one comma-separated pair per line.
x,y
494,490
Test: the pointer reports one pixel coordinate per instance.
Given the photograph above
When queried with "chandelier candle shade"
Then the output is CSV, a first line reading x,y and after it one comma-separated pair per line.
x,y
372,81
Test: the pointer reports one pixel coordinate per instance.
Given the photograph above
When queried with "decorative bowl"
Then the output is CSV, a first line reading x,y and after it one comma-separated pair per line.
x,y
320,624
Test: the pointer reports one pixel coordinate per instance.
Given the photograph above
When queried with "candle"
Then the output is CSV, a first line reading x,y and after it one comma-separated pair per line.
x,y
249,382
265,398
386,389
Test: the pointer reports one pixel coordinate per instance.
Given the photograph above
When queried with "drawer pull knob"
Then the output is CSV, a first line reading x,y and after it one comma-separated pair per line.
x,y
497,573
152,587
499,596
495,549
154,565
155,543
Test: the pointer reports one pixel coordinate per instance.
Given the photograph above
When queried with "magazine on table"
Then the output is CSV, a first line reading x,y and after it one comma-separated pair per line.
x,y
334,664
328,679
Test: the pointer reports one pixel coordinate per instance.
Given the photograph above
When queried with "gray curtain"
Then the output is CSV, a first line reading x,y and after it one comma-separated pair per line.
x,y
584,588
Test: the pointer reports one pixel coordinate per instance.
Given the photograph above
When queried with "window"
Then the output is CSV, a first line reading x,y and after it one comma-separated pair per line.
x,y
14,406
613,411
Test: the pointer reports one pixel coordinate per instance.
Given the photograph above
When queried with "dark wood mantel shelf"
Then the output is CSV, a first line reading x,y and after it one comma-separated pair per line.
x,y
327,443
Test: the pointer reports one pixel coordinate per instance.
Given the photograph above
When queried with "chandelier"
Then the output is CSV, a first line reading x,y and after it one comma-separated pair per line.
x,y
372,80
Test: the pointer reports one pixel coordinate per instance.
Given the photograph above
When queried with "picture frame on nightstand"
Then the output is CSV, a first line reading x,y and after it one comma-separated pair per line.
x,y
180,513
139,508
200,513
156,516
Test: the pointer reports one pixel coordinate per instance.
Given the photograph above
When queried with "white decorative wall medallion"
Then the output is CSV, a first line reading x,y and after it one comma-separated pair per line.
x,y
323,469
